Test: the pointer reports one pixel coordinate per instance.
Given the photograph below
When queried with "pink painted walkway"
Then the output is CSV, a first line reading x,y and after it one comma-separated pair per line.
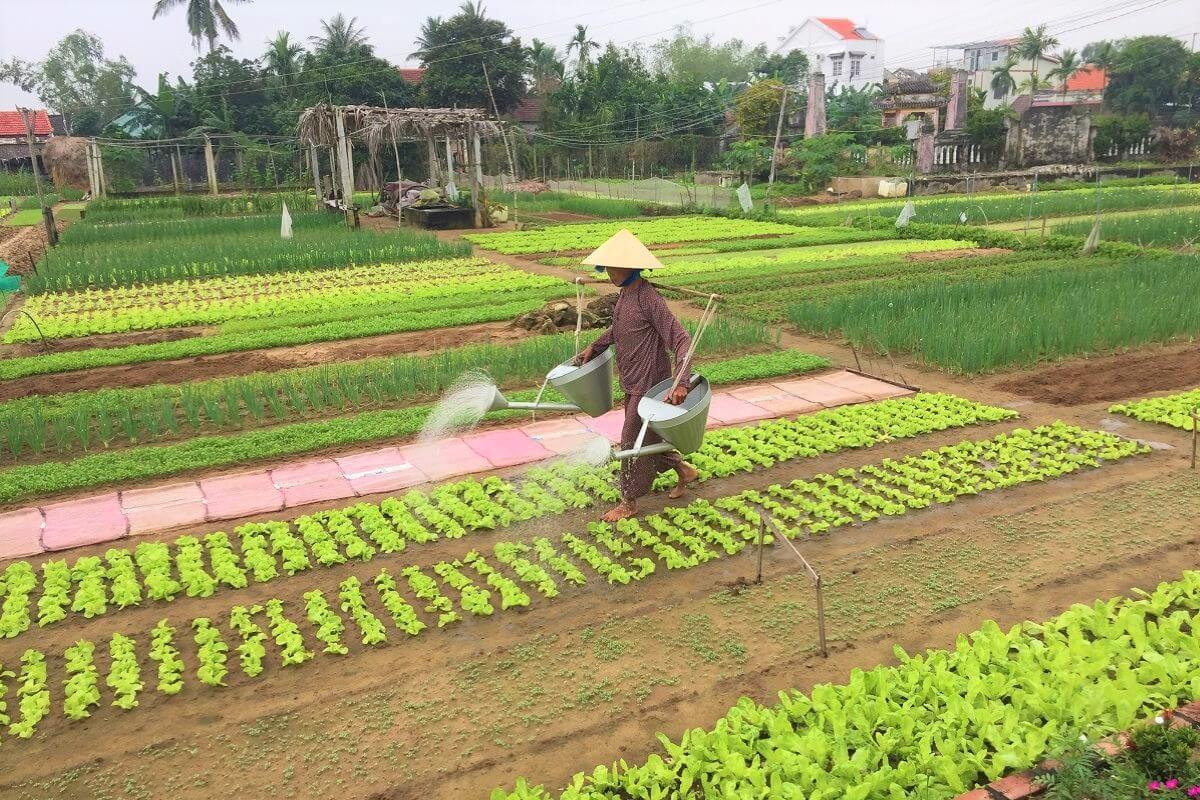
x,y
112,516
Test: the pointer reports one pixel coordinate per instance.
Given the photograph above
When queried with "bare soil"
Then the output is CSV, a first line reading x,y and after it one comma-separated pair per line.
x,y
268,360
26,246
1123,376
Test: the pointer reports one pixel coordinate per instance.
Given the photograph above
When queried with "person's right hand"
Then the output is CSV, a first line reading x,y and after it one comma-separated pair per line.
x,y
584,357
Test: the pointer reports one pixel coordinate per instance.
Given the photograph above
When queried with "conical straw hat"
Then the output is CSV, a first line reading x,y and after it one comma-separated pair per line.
x,y
623,250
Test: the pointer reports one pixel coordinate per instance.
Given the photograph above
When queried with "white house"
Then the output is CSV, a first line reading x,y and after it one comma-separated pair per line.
x,y
848,54
980,60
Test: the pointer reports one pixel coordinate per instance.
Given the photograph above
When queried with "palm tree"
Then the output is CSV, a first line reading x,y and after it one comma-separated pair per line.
x,y
282,58
583,45
427,39
1102,55
1033,45
1003,81
340,36
474,10
1068,64
203,19
547,67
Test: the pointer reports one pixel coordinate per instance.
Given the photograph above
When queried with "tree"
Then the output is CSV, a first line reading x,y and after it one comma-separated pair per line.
x,y
228,94
687,59
282,59
204,17
1004,82
757,108
546,68
455,53
1033,45
76,79
791,68
820,158
1068,65
156,111
1148,75
340,36
583,47
853,110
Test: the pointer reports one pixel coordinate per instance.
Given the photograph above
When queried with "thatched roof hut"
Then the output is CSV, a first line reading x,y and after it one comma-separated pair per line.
x,y
375,126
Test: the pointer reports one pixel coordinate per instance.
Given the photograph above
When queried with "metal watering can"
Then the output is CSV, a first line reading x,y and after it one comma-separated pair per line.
x,y
589,388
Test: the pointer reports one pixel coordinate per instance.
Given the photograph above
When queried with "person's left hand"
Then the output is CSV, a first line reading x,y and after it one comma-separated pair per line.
x,y
678,396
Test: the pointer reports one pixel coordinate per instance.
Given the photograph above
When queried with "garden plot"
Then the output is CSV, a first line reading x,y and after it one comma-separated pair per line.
x,y
590,235
423,286
321,604
164,430
968,327
990,208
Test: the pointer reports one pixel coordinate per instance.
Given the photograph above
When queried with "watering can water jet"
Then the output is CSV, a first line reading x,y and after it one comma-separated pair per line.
x,y
589,388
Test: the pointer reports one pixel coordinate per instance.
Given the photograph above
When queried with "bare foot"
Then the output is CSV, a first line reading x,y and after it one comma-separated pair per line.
x,y
623,511
687,473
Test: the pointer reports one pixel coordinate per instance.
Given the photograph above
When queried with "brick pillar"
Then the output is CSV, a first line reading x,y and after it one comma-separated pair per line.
x,y
956,110
814,116
925,152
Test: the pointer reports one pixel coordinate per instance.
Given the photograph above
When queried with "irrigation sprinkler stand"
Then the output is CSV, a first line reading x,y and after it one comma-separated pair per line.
x,y
762,527
1195,433
813,576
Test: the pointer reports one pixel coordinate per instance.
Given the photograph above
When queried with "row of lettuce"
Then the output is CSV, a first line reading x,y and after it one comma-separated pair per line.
x,y
450,511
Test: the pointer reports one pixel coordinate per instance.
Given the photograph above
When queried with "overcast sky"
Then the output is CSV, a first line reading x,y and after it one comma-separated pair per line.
x,y
29,29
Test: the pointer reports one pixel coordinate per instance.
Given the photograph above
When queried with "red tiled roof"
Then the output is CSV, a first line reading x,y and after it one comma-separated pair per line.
x,y
842,27
412,75
1088,79
11,123
528,110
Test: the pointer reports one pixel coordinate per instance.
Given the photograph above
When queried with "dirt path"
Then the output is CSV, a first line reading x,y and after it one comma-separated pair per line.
x,y
592,675
268,360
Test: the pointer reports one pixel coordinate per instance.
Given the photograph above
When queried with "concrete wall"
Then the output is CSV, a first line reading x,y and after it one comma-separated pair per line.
x,y
1049,135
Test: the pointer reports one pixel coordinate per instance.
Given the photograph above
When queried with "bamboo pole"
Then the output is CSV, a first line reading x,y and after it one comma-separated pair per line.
x,y
315,160
47,212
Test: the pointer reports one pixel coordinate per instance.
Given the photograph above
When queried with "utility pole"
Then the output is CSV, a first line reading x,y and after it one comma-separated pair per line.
x,y
47,212
778,133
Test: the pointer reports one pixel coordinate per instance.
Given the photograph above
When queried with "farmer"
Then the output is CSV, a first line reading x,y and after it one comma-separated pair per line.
x,y
643,330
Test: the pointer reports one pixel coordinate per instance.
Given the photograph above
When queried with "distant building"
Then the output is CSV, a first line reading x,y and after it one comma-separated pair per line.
x,y
848,54
1084,88
910,98
981,59
413,75
14,151
528,113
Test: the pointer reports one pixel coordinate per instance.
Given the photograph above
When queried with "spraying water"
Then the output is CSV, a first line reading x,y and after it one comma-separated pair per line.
x,y
594,451
461,408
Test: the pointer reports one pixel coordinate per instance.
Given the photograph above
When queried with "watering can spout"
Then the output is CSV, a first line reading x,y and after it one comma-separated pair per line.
x,y
499,401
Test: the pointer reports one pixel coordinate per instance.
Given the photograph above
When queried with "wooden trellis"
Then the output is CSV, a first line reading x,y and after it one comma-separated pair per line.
x,y
337,128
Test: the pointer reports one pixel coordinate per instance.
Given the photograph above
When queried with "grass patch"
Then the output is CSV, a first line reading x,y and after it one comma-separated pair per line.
x,y
24,218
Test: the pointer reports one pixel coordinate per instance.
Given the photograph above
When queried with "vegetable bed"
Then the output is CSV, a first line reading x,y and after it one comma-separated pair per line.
x,y
589,235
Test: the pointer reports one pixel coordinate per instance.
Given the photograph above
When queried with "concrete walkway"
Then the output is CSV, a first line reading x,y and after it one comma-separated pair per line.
x,y
112,516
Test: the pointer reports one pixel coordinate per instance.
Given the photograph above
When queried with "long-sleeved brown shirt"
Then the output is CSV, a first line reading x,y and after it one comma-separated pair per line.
x,y
643,330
